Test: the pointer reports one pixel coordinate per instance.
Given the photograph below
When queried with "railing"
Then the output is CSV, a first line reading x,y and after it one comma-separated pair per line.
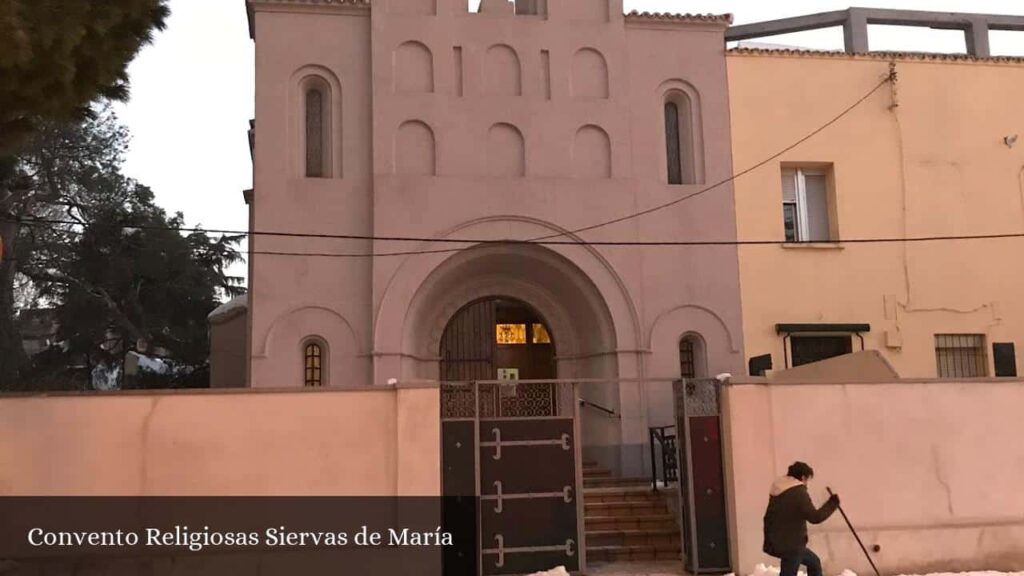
x,y
669,464
606,411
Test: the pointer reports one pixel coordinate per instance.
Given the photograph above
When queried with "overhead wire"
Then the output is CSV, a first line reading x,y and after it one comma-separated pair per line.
x,y
551,239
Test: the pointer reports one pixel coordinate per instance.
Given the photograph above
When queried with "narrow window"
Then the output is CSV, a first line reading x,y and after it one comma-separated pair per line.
x,y
806,213
675,173
691,357
687,359
314,364
960,356
315,133
680,145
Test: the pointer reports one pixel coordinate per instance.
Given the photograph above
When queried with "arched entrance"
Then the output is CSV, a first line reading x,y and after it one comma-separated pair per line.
x,y
498,339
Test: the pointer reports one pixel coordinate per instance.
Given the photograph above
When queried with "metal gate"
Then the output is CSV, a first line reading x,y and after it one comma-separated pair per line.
x,y
702,480
522,476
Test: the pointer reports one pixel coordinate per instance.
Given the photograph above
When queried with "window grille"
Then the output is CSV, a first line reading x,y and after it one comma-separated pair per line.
x,y
960,355
314,365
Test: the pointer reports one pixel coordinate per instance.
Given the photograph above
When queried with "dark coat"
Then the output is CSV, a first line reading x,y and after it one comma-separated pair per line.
x,y
789,510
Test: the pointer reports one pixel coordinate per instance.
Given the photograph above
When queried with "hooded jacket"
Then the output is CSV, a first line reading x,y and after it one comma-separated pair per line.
x,y
789,510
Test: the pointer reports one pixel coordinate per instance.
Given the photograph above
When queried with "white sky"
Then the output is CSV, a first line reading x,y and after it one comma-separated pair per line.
x,y
192,90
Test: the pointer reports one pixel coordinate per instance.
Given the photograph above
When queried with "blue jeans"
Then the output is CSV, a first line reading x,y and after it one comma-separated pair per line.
x,y
791,564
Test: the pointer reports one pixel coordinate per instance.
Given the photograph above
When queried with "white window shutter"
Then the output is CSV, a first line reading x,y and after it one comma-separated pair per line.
x,y
816,193
788,185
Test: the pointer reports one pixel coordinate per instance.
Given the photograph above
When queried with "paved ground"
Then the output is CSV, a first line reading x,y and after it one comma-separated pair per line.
x,y
637,569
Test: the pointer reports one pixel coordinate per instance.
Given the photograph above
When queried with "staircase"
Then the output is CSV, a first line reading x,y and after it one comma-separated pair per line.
x,y
625,520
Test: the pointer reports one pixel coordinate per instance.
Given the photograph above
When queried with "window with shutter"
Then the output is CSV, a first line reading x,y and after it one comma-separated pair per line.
x,y
806,214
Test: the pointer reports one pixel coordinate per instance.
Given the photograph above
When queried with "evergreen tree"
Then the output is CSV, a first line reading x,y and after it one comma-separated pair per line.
x,y
57,57
121,275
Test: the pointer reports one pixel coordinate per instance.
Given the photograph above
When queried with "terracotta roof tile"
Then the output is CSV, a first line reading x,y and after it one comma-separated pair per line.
x,y
669,17
922,56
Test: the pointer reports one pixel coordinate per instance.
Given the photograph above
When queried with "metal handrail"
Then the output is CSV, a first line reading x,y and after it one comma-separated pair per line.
x,y
669,471
607,411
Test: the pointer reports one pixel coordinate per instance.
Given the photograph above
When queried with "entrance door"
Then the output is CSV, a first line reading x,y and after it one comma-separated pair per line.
x,y
498,339
512,445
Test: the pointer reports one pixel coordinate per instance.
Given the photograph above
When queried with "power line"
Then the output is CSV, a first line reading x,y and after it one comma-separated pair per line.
x,y
549,239
891,77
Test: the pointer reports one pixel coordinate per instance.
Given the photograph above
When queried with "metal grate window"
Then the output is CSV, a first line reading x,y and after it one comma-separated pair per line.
x,y
687,359
314,365
960,355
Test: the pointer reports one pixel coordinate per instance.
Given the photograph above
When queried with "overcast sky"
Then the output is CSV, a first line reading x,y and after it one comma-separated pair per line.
x,y
192,90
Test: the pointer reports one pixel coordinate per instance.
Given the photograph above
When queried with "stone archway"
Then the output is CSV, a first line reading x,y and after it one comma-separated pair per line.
x,y
548,283
503,339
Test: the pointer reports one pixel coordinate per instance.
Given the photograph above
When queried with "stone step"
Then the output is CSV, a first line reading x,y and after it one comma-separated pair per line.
x,y
647,537
621,494
631,522
633,553
614,482
651,508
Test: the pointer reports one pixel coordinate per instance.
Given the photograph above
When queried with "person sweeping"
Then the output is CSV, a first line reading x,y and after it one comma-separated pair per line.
x,y
785,521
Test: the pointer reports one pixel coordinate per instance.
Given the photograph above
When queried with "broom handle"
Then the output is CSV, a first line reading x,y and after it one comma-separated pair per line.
x,y
866,555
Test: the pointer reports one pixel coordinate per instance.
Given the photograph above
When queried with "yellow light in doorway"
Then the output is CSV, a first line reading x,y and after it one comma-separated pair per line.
x,y
540,334
511,333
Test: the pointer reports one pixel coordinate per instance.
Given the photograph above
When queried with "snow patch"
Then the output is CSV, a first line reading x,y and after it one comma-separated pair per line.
x,y
236,304
762,570
105,377
560,571
154,365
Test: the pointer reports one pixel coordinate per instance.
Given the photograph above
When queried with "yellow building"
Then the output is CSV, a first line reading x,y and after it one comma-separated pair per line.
x,y
934,153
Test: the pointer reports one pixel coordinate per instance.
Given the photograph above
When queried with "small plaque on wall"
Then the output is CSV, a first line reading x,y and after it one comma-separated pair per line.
x,y
511,375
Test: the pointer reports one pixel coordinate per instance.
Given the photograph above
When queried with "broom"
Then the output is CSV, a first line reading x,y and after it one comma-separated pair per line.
x,y
866,555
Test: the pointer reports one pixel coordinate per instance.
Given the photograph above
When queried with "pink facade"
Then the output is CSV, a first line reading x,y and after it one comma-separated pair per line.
x,y
434,122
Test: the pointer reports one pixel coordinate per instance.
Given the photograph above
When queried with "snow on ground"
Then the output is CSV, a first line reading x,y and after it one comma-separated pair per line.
x,y
560,571
154,365
762,570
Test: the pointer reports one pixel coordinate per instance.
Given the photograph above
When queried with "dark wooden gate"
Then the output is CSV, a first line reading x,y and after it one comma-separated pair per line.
x,y
526,475
702,480
529,495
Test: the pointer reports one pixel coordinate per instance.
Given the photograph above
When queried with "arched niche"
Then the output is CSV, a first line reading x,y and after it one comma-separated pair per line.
x,y
592,153
415,149
502,72
506,152
413,68
589,74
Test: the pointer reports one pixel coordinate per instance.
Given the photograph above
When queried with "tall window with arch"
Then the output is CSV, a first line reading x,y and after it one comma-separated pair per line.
x,y
314,364
680,146
691,357
317,128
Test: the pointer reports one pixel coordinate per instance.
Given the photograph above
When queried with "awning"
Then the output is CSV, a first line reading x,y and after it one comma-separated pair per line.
x,y
804,328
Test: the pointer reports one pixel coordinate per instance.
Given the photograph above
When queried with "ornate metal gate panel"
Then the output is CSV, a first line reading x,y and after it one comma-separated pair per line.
x,y
702,481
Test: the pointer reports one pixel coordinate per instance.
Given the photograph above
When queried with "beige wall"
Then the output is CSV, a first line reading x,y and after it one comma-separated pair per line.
x,y
378,442
929,470
935,165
